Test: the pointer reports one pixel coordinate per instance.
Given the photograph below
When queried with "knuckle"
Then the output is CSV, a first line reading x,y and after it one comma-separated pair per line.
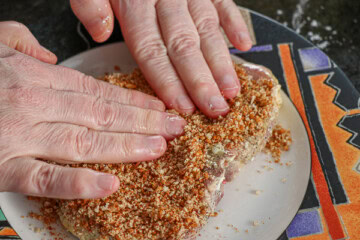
x,y
44,179
220,58
104,114
150,50
184,44
78,186
132,97
84,144
203,83
128,145
147,118
169,84
17,27
208,24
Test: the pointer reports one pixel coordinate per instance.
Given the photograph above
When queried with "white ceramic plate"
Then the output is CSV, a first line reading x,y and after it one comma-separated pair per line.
x,y
282,189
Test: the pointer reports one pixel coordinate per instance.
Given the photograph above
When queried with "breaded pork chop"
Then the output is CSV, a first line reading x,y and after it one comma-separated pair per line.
x,y
173,196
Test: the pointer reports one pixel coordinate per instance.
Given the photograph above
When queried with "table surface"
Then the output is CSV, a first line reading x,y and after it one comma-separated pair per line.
x,y
331,25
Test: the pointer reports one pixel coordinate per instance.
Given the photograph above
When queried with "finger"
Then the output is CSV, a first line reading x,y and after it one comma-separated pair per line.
x,y
73,144
97,17
36,178
99,114
17,36
233,24
143,37
67,79
182,40
214,48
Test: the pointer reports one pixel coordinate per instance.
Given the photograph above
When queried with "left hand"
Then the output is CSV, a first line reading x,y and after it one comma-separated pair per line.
x,y
178,46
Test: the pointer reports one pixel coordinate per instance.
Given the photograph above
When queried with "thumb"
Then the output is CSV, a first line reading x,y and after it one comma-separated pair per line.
x,y
97,17
18,36
36,178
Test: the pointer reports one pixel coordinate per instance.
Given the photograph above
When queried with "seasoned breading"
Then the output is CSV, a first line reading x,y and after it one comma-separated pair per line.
x,y
173,196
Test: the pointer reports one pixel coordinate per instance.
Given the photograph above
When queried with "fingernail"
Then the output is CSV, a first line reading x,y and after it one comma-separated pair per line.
x,y
99,27
218,104
156,105
156,144
245,40
106,181
184,103
229,83
174,125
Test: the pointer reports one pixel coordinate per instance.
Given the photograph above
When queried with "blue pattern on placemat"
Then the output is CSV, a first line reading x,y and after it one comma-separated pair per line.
x,y
305,223
314,59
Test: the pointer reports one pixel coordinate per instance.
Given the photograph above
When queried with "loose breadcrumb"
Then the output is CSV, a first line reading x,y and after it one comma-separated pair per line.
x,y
279,142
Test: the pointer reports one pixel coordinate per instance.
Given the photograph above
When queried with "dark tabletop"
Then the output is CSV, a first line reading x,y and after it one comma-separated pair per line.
x,y
332,25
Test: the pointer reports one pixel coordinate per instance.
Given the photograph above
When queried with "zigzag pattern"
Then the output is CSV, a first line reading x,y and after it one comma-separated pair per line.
x,y
345,93
351,123
344,99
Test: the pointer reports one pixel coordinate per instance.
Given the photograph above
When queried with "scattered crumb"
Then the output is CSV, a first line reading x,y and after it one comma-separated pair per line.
x,y
247,230
283,180
289,163
256,223
37,229
217,228
117,68
279,142
258,192
233,227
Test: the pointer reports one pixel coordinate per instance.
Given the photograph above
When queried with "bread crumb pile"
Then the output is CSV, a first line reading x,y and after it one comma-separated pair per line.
x,y
165,198
279,142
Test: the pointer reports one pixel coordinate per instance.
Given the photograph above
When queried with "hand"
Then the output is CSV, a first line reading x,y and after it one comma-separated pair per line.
x,y
17,36
178,46
55,113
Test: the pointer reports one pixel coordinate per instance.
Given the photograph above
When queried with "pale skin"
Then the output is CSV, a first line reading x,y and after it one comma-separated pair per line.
x,y
59,114
55,113
178,46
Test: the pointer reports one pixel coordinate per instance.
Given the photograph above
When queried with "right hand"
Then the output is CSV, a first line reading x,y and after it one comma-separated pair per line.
x,y
59,114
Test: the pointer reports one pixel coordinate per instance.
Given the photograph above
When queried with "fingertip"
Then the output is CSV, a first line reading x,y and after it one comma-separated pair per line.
x,y
106,184
229,84
97,17
217,106
183,104
243,41
47,56
156,146
230,93
101,28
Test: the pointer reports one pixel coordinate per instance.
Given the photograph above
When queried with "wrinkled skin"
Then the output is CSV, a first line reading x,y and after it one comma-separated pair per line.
x,y
178,46
59,114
